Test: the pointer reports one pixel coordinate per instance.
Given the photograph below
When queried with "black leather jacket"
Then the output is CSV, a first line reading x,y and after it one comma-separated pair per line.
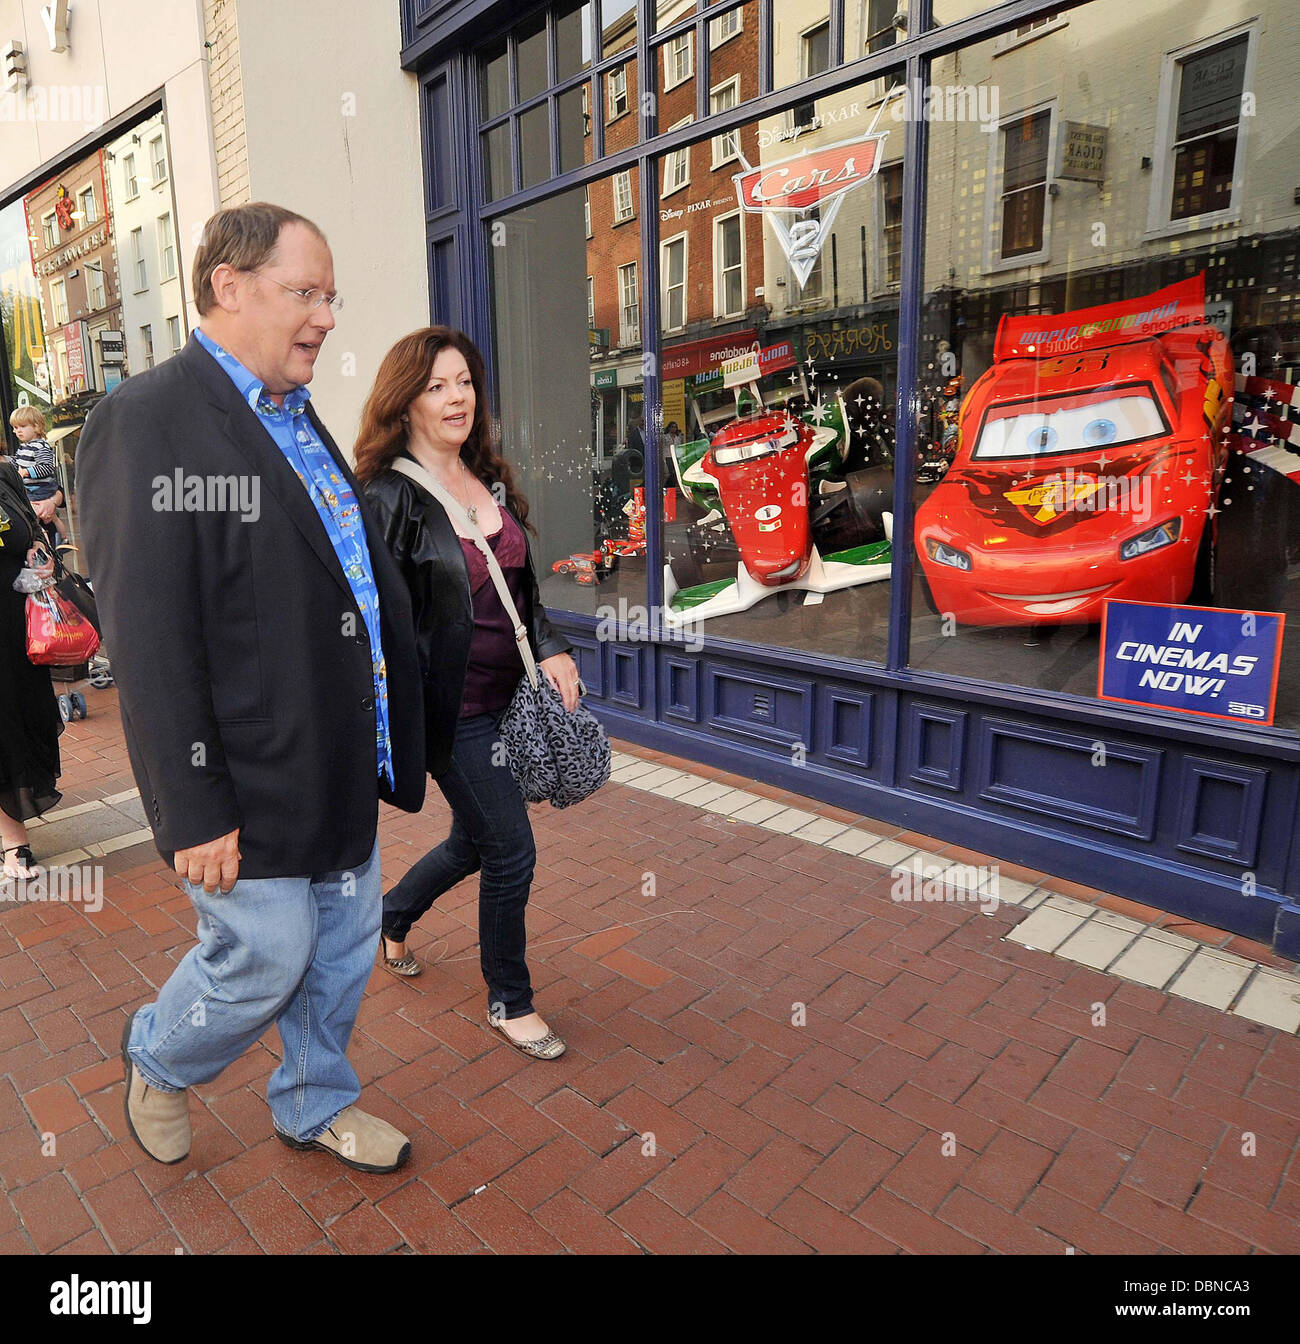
x,y
428,552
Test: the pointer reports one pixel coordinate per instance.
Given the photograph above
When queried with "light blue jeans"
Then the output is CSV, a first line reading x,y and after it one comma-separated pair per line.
x,y
296,951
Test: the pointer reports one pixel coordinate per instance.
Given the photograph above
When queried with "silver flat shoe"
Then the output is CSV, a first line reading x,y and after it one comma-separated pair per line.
x,y
549,1046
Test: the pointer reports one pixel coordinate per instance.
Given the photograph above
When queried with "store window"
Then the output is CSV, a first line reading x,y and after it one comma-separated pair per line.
x,y
569,372
779,371
1108,481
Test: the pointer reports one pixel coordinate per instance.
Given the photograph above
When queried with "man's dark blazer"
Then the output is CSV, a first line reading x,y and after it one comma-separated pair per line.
x,y
241,659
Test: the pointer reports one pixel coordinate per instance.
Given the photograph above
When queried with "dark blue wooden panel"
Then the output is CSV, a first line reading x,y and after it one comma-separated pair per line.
x,y
627,674
774,710
1222,808
679,687
1039,770
934,746
845,728
591,666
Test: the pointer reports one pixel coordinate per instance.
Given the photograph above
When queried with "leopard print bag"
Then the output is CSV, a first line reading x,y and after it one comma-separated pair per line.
x,y
555,756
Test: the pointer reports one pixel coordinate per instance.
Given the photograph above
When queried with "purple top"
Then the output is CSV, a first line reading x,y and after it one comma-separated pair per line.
x,y
494,662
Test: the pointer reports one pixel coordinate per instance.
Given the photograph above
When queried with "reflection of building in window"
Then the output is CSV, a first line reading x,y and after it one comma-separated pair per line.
x,y
49,232
137,258
89,212
1026,28
1209,109
1024,182
616,82
729,266
677,165
591,301
722,99
132,182
672,263
586,209
891,195
728,26
146,339
629,311
174,334
59,302
814,59
623,207
678,61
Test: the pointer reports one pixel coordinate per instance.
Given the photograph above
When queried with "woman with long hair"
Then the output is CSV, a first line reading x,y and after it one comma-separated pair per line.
x,y
429,403
29,713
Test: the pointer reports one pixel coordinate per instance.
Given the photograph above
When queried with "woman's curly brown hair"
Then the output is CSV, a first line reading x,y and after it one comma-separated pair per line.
x,y
403,375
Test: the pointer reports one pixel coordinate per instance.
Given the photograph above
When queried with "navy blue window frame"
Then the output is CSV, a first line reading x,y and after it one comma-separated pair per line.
x,y
434,31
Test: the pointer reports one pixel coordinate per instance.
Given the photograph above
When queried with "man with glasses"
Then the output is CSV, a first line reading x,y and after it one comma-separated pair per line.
x,y
264,652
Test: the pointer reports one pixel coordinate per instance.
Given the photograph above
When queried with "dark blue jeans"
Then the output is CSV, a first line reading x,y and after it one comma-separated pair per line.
x,y
490,831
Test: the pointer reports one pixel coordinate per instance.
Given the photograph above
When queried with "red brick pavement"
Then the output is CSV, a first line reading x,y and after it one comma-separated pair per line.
x,y
765,1054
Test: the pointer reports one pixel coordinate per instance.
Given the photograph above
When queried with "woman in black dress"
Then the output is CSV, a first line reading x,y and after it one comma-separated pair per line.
x,y
29,712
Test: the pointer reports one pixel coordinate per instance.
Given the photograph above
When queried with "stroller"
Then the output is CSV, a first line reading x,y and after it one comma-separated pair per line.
x,y
98,671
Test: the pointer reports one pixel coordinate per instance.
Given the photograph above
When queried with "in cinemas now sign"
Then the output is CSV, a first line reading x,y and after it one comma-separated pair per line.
x,y
1202,660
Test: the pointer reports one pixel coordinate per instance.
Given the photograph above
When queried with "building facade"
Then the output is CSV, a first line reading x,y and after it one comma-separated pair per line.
x,y
953,352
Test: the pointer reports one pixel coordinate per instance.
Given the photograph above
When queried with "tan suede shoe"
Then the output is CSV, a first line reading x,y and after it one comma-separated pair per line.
x,y
359,1140
159,1121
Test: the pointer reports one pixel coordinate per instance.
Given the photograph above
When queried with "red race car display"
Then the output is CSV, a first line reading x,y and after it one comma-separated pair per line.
x,y
761,466
1088,463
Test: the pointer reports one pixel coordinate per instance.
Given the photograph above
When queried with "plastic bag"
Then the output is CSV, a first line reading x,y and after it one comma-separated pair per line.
x,y
32,581
58,635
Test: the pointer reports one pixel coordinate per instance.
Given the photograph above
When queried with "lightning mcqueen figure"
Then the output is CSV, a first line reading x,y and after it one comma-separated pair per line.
x,y
1089,459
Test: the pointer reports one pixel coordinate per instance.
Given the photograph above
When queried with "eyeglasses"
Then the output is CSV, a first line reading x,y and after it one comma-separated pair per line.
x,y
313,298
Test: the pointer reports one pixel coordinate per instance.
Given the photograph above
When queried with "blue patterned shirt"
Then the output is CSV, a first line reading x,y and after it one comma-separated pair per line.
x,y
292,431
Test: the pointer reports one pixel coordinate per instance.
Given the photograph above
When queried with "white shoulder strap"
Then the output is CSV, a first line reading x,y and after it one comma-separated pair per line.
x,y
456,509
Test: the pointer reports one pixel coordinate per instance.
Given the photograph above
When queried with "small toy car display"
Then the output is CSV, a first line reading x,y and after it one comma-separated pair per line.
x,y
1089,459
587,567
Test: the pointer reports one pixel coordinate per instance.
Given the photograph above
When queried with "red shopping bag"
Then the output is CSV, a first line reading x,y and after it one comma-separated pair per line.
x,y
58,635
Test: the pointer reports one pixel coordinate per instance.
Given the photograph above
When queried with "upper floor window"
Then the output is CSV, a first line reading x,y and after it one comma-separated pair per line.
x,y
616,82
1206,128
679,62
132,182
623,207
1023,197
158,160
86,201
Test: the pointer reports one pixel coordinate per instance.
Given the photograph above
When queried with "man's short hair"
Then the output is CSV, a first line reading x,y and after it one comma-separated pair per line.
x,y
28,415
245,237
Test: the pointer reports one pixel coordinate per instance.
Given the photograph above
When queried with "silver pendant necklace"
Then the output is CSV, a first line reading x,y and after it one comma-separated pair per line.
x,y
471,509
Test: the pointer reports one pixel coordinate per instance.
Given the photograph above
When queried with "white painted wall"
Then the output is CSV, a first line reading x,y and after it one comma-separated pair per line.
x,y
333,131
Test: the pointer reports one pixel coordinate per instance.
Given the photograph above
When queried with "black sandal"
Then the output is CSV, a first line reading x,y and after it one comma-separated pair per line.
x,y
406,966
26,859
